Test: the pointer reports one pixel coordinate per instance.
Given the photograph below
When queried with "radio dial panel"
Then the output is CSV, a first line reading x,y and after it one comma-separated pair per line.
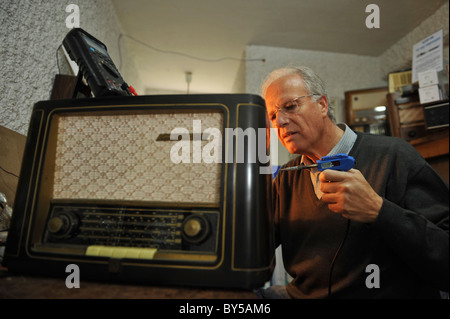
x,y
163,229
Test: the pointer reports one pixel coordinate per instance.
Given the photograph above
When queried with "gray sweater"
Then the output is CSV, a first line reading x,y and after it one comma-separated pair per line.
x,y
409,241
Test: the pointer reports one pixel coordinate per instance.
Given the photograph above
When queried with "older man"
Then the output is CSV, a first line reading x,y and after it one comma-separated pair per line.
x,y
379,230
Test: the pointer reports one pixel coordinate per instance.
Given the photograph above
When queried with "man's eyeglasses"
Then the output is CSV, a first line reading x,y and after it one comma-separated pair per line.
x,y
289,107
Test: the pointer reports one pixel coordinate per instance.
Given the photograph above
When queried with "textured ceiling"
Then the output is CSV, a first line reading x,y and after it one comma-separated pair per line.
x,y
171,37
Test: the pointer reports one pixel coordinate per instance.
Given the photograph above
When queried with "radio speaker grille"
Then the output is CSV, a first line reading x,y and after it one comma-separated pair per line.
x,y
119,157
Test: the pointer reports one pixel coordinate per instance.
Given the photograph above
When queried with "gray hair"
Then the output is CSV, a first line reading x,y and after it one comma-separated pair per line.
x,y
313,83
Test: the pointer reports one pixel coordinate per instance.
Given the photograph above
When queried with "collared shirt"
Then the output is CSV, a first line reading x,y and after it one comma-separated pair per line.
x,y
344,145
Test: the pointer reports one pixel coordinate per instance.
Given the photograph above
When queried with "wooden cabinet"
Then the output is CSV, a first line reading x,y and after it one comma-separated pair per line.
x,y
432,146
408,120
435,149
12,145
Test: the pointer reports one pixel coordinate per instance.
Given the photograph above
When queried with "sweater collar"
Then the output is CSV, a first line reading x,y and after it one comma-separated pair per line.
x,y
344,145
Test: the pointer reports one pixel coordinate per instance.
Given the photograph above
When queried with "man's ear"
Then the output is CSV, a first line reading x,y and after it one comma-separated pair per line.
x,y
323,103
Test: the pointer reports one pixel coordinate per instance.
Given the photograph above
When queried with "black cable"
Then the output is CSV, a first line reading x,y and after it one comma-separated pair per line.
x,y
336,256
8,172
178,53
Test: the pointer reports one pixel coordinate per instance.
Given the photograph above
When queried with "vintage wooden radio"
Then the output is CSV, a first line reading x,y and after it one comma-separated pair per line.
x,y
151,189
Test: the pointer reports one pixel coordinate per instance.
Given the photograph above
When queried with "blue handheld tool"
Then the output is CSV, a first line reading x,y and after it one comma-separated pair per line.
x,y
339,162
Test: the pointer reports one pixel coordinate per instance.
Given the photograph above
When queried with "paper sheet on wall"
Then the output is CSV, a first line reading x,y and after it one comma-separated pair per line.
x,y
428,55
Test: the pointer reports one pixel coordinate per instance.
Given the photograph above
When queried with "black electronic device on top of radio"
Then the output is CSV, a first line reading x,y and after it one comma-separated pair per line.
x,y
103,185
95,64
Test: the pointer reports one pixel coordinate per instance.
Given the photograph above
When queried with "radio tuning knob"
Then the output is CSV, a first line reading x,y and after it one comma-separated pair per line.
x,y
195,228
55,224
62,225
192,227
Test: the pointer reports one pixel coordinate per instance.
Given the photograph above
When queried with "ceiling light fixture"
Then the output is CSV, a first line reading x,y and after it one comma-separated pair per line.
x,y
188,79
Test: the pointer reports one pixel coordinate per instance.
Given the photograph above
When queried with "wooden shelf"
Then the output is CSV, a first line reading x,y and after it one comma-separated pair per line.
x,y
432,148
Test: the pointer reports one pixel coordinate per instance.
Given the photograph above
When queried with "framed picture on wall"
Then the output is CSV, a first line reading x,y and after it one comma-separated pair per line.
x,y
366,110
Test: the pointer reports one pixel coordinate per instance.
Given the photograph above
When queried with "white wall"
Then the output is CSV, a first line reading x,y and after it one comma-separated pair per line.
x,y
30,34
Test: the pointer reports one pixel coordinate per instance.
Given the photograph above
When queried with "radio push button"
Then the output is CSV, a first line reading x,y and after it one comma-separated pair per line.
x,y
195,229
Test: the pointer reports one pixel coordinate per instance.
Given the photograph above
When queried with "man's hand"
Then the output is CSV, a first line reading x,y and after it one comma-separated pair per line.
x,y
348,193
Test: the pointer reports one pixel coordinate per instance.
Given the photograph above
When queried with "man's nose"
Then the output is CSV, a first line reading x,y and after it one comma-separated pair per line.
x,y
282,119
